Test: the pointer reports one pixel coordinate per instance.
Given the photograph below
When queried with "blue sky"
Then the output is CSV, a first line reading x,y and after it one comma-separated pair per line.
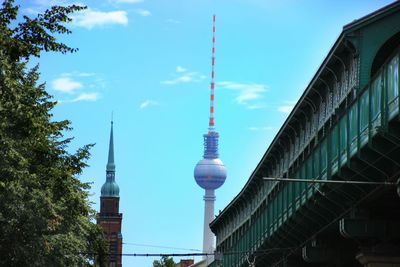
x,y
149,62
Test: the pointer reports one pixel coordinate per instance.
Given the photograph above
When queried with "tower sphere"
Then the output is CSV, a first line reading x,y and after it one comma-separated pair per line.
x,y
210,173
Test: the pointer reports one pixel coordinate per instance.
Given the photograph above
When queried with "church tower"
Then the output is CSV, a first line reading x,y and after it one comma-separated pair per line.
x,y
109,217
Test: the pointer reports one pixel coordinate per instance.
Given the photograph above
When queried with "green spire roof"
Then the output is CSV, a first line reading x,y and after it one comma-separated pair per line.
x,y
110,163
110,187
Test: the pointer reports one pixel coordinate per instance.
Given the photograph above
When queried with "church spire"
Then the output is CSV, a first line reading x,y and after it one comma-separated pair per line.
x,y
109,217
110,187
110,163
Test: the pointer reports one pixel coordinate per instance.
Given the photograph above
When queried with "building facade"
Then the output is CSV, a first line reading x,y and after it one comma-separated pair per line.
x,y
344,133
185,263
109,217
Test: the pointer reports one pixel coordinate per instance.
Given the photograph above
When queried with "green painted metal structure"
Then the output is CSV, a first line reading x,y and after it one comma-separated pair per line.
x,y
344,127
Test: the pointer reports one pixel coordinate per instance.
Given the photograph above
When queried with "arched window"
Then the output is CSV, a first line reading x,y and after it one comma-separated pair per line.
x,y
385,52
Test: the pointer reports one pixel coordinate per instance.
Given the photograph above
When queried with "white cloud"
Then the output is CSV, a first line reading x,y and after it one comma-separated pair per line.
x,y
129,1
285,108
143,12
86,97
246,91
172,21
181,79
78,74
148,103
66,85
256,106
180,69
89,18
184,77
86,74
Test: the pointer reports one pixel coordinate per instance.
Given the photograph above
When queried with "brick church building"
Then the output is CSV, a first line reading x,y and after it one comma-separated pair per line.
x,y
109,217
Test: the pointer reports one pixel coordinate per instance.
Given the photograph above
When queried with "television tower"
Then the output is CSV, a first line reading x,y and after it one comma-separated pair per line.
x,y
210,172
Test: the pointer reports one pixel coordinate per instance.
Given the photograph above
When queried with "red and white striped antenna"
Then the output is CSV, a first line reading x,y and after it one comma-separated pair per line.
x,y
212,85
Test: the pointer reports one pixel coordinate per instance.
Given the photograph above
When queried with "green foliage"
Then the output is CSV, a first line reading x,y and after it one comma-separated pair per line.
x,y
34,35
45,216
165,261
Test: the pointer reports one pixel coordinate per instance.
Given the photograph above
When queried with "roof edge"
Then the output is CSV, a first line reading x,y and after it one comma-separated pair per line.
x,y
370,16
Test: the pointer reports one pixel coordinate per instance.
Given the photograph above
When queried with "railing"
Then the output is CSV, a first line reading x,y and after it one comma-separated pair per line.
x,y
336,95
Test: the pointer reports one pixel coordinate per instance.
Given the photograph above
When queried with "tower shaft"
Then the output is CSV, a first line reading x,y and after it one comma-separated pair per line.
x,y
208,236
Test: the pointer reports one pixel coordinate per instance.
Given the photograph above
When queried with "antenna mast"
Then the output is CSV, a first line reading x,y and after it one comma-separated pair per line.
x,y
211,122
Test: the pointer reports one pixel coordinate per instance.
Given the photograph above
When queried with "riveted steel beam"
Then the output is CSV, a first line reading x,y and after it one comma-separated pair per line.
x,y
314,181
369,229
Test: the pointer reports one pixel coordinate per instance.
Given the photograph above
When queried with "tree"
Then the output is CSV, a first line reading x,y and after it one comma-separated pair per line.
x,y
165,261
45,215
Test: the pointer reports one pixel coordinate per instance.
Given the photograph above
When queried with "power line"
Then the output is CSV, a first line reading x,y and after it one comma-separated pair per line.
x,y
156,246
216,253
164,254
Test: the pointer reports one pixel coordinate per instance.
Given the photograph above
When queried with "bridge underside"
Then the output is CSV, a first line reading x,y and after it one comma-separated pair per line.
x,y
344,224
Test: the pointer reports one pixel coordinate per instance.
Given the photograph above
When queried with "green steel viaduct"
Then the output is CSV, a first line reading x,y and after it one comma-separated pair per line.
x,y
339,151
